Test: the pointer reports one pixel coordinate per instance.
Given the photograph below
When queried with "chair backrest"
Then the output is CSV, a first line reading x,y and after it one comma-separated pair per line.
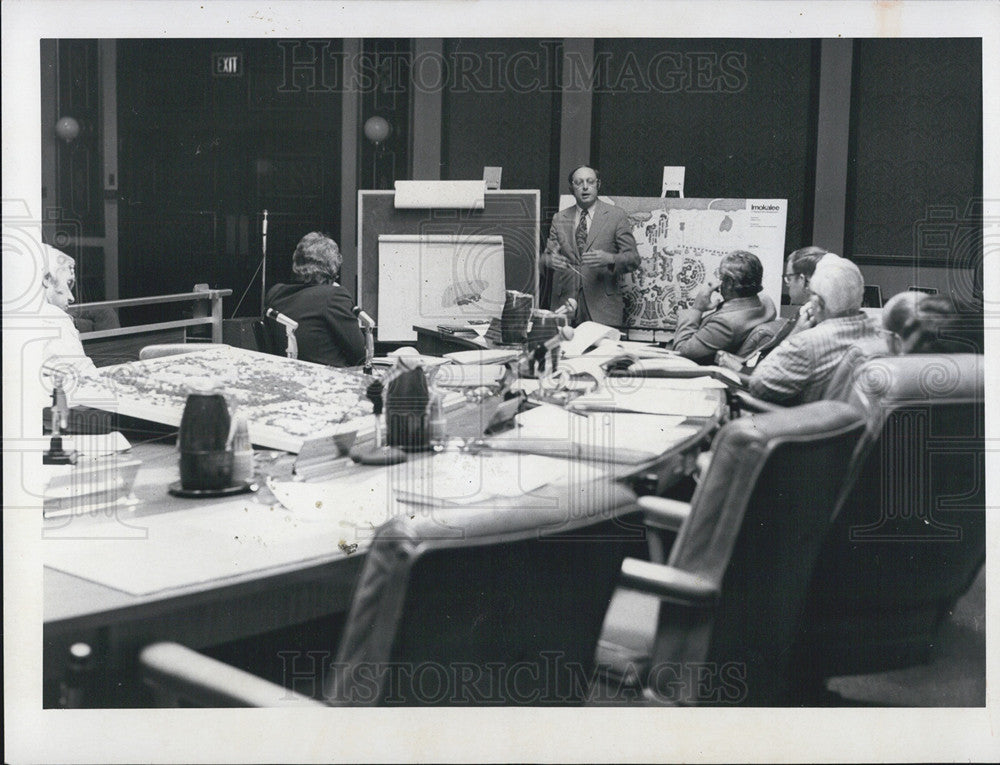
x,y
756,524
262,335
760,336
483,606
272,336
910,537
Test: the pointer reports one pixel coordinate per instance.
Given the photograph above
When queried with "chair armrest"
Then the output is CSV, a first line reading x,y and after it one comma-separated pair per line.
x,y
663,513
667,582
751,403
177,672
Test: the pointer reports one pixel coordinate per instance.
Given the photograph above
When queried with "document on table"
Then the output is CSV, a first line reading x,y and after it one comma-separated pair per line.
x,y
649,396
491,356
468,375
616,437
96,445
202,545
587,334
459,478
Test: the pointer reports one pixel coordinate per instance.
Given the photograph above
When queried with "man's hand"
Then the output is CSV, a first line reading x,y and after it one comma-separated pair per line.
x,y
807,318
703,297
598,258
557,261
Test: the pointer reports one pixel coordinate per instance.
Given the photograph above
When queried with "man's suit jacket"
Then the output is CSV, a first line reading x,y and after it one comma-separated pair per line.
x,y
699,336
609,230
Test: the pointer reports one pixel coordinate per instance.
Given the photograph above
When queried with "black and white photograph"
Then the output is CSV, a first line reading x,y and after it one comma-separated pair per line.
x,y
500,381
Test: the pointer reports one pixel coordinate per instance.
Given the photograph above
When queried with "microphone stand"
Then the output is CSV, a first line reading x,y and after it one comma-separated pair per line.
x,y
367,325
263,268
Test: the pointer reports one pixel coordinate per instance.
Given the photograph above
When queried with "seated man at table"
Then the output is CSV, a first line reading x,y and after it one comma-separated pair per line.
x,y
63,350
801,368
799,268
328,332
703,331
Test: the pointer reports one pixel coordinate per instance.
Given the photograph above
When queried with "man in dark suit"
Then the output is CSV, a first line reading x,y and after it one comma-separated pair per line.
x,y
590,246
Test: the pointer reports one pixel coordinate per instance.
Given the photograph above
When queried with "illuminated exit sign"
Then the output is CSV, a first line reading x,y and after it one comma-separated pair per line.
x,y
227,64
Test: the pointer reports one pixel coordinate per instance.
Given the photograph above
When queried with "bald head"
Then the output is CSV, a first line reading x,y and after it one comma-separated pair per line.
x,y
838,286
900,309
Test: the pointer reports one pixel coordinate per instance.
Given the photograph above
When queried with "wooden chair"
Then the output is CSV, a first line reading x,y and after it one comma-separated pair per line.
x,y
733,588
459,606
910,537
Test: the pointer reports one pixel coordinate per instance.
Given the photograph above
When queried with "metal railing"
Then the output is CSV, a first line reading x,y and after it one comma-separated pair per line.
x,y
215,317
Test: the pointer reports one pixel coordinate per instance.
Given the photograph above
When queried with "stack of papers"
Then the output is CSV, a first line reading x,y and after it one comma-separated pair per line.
x,y
649,396
606,437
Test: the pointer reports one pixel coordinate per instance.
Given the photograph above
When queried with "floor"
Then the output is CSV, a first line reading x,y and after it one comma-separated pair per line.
x,y
956,678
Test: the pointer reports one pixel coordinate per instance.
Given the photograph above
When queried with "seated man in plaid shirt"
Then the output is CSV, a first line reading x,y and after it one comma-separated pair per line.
x,y
799,370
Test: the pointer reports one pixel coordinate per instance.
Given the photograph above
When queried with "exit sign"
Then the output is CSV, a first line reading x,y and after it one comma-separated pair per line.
x,y
227,64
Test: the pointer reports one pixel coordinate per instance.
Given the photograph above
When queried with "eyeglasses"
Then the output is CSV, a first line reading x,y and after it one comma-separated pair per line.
x,y
585,182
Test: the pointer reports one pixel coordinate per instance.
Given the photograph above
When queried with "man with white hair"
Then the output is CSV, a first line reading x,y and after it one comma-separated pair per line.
x,y
63,349
799,370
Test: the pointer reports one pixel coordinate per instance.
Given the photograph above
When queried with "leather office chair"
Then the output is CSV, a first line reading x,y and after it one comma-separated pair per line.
x,y
733,587
456,607
274,336
910,536
760,336
264,340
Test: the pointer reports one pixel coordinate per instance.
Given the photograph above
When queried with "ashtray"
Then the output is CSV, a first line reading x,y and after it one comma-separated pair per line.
x,y
177,490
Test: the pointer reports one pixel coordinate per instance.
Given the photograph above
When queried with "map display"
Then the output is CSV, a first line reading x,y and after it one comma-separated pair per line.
x,y
283,400
682,241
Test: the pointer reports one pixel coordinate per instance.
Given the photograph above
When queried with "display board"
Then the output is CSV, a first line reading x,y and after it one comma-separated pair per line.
x,y
513,215
682,241
284,400
435,279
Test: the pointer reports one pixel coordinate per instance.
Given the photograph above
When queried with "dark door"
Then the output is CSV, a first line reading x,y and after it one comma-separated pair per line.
x,y
212,132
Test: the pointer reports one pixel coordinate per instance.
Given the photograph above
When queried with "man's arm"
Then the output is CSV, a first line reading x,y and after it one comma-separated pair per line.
x,y
624,256
344,329
553,256
627,256
697,341
784,373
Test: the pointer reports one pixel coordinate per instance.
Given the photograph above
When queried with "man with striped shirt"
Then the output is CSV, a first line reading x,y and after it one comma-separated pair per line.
x,y
799,370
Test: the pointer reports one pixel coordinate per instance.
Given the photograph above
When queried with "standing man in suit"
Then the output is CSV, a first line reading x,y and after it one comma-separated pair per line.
x,y
590,246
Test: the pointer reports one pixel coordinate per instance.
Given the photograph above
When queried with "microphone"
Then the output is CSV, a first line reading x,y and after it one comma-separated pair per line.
x,y
281,319
566,308
363,317
564,333
263,225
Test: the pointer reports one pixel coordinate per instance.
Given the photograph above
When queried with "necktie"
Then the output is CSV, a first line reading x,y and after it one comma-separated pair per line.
x,y
581,233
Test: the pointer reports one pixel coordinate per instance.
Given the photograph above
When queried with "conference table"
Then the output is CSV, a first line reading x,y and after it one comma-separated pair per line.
x,y
136,544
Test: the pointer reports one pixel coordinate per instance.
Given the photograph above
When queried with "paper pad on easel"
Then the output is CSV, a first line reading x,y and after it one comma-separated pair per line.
x,y
458,195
